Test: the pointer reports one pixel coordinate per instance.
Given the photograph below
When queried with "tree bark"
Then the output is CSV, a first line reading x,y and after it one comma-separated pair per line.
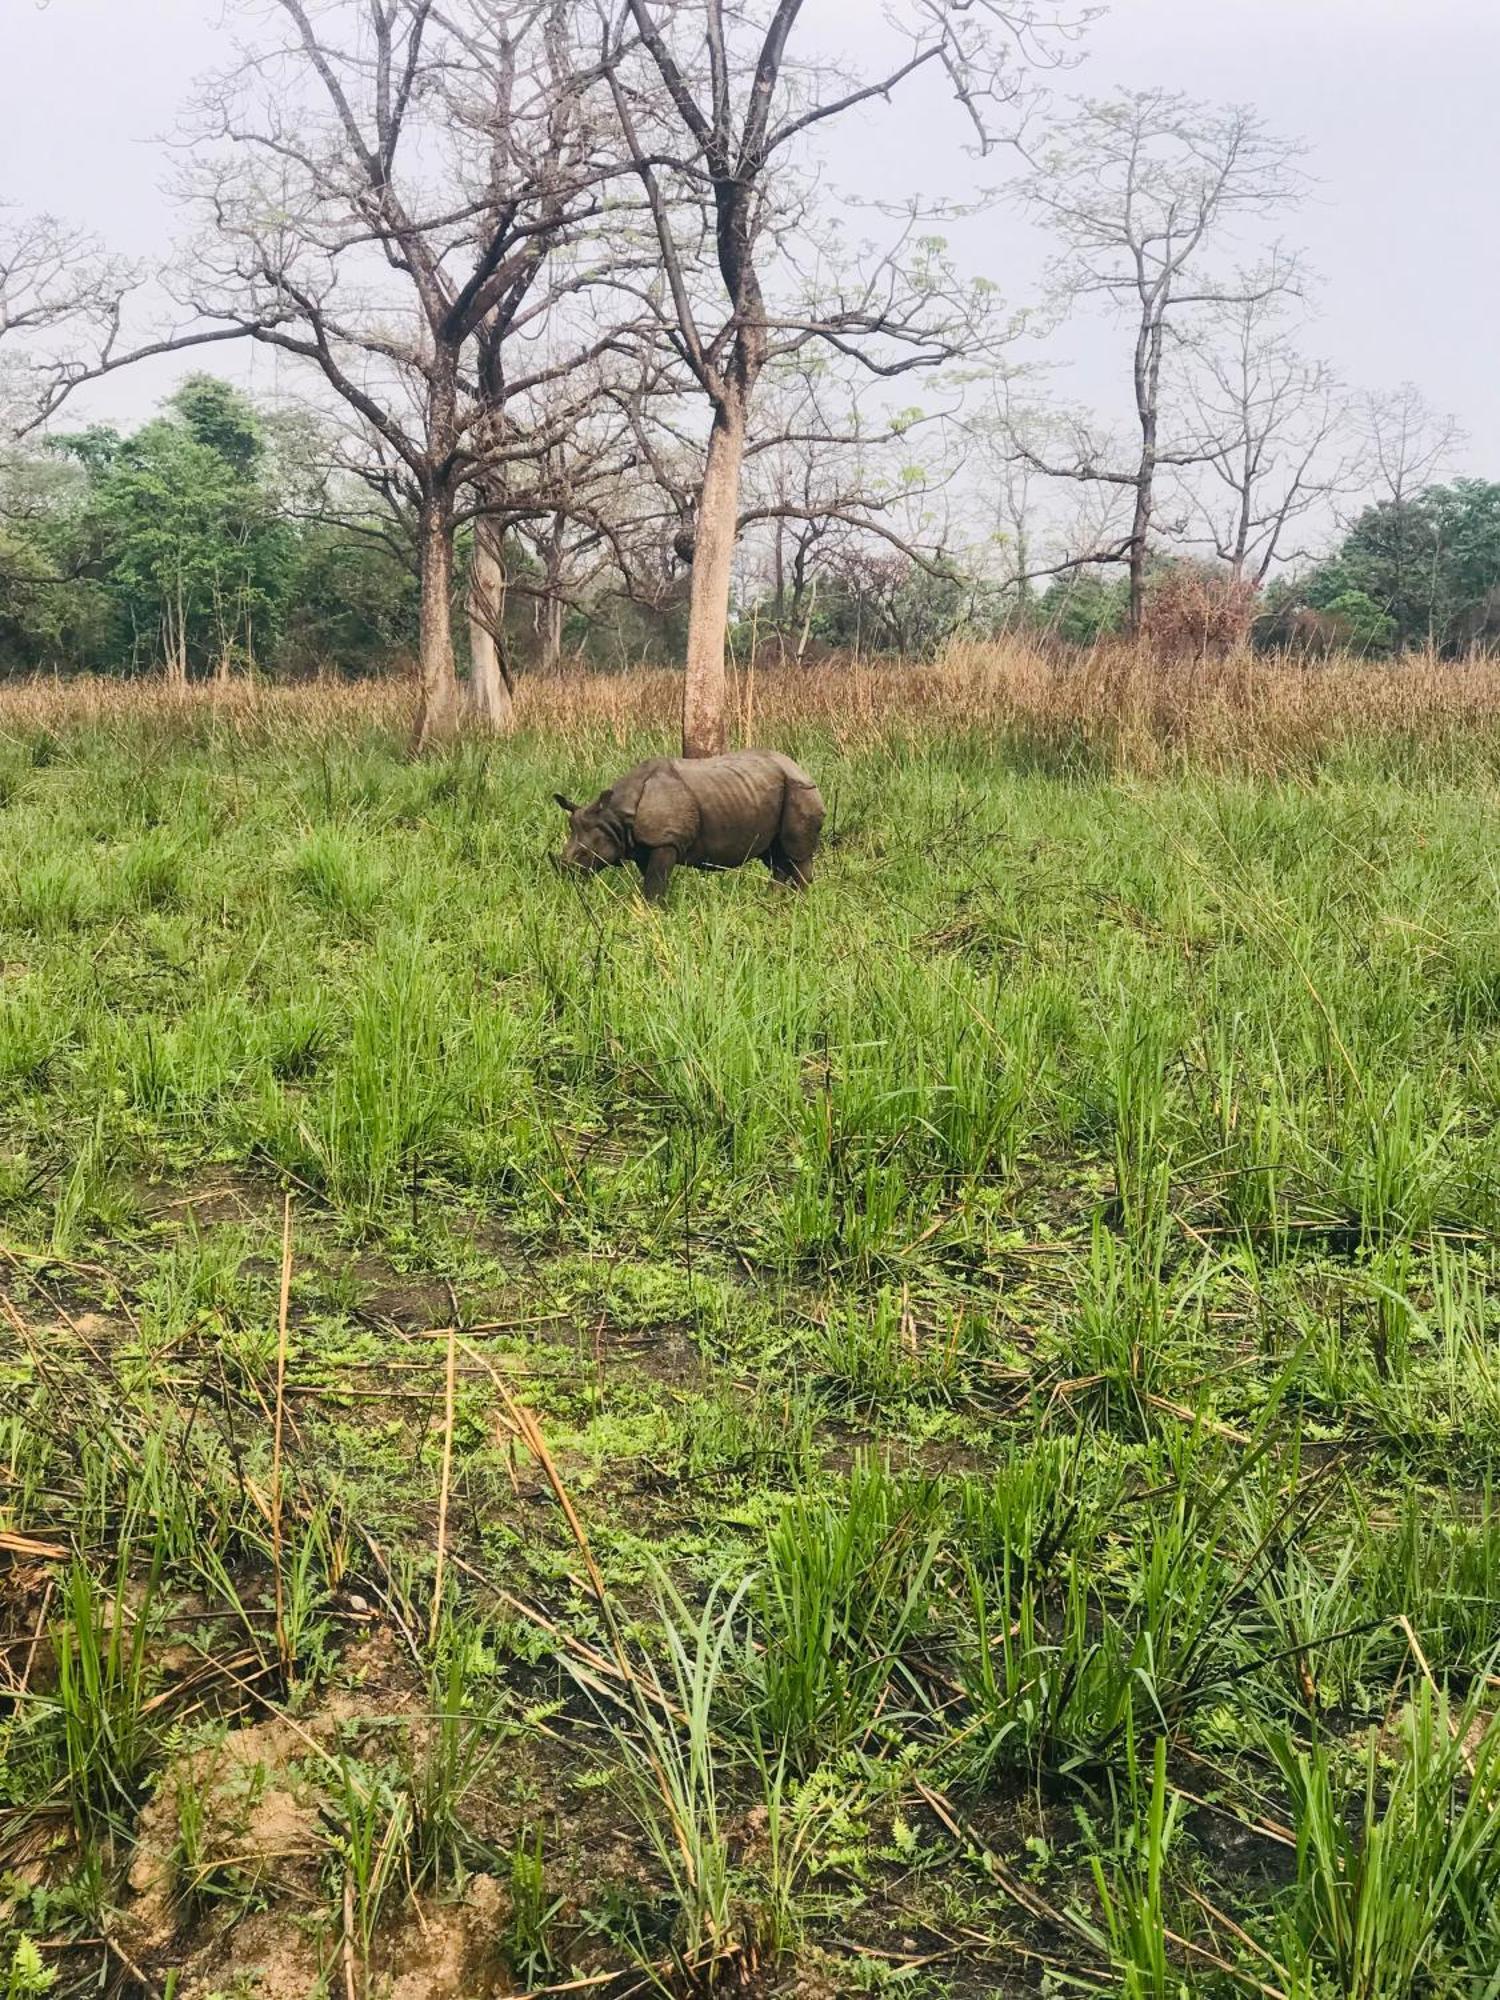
x,y
1147,394
490,700
1139,532
703,711
437,677
176,649
552,635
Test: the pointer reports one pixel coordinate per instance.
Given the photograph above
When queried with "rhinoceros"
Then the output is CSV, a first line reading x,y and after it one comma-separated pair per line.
x,y
702,812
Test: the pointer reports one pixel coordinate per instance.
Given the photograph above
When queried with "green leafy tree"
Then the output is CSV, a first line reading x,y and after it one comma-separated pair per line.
x,y
185,534
1361,625
1083,607
225,422
1427,568
209,537
351,603
50,615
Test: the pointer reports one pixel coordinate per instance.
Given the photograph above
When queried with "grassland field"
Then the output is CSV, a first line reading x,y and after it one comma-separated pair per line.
x,y
932,1438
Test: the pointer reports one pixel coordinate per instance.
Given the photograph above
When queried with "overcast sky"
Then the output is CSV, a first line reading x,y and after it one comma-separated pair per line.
x,y
1396,100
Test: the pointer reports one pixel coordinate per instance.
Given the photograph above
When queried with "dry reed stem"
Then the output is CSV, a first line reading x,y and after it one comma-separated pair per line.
x,y
1020,1892
1427,1674
145,1985
283,1651
450,1378
24,1548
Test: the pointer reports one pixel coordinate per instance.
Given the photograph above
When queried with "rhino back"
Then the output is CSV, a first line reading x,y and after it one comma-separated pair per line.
x,y
788,767
738,799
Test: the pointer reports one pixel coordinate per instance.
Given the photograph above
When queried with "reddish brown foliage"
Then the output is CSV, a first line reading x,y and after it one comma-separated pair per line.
x,y
1194,613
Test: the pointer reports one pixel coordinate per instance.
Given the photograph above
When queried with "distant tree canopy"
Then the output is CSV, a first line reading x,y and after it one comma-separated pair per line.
x,y
179,535
1420,572
1083,607
176,546
596,370
212,539
215,537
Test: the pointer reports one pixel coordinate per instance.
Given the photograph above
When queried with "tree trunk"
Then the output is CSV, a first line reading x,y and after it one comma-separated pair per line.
x,y
490,702
176,639
703,712
1139,533
1147,393
437,697
552,635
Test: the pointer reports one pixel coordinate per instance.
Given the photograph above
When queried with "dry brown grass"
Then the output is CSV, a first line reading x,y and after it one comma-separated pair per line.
x,y
1124,704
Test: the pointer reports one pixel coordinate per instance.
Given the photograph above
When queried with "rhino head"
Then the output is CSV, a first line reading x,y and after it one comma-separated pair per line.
x,y
596,835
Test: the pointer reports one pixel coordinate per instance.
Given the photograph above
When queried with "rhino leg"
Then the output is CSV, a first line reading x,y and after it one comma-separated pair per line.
x,y
656,872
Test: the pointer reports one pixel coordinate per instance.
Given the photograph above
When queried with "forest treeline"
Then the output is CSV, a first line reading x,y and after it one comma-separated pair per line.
x,y
586,356
213,540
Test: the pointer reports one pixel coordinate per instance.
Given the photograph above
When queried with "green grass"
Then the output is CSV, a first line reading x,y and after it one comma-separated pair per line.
x,y
1017,1328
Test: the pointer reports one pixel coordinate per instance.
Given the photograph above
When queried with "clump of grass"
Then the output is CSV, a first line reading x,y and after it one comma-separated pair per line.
x,y
1130,1632
1040,1501
527,1939
105,1678
36,1026
845,1589
1403,1893
51,893
1133,1899
383,1114
672,1763
371,1827
462,1740
339,874
151,871
875,1351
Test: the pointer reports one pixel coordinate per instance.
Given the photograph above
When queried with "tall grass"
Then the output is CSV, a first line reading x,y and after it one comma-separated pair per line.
x,y
104,1680
674,1781
1120,700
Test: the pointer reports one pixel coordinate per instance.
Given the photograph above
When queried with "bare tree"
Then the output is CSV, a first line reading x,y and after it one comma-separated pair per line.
x,y
1004,490
1013,504
390,190
710,111
1277,437
821,479
60,305
1143,189
584,510
1408,444
1045,524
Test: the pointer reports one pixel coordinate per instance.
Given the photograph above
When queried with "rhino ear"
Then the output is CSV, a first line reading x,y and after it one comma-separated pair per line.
x,y
566,804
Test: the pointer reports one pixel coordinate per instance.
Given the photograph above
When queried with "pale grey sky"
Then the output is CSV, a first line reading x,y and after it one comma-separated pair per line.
x,y
1396,100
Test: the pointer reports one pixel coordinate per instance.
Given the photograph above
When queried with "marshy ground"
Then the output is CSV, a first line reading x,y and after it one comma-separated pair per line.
x,y
960,1412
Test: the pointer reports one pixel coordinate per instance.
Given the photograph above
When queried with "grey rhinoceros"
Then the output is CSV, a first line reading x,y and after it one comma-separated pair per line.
x,y
702,812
